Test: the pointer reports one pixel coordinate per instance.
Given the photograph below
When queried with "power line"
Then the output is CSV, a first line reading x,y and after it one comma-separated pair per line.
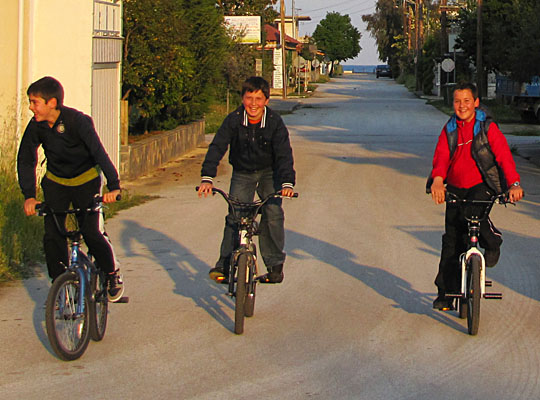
x,y
339,4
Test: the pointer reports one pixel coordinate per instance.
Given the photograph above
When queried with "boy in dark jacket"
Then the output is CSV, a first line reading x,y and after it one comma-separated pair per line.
x,y
262,160
75,157
474,160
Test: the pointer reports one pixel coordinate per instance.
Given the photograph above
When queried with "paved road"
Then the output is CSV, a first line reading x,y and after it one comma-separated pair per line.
x,y
353,318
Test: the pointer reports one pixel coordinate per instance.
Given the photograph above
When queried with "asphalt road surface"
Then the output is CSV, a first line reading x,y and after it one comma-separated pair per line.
x,y
353,318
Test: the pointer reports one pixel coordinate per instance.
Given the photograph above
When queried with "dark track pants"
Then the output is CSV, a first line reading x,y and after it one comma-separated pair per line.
x,y
59,197
455,238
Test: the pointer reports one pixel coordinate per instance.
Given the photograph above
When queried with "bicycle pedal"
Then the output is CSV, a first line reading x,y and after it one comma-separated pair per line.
x,y
493,296
124,299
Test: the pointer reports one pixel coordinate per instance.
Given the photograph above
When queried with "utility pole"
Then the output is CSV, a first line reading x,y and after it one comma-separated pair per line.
x,y
479,63
418,40
282,37
444,31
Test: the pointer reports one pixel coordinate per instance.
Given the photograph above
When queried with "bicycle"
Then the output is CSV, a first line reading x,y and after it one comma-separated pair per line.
x,y
243,270
473,269
77,304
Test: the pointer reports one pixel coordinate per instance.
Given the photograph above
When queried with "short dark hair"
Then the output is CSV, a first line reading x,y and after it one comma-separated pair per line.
x,y
467,86
47,88
256,83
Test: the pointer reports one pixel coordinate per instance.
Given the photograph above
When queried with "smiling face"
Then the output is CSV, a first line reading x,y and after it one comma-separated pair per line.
x,y
254,103
465,104
43,110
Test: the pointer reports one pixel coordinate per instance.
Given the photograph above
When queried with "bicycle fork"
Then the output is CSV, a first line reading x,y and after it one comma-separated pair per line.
x,y
82,273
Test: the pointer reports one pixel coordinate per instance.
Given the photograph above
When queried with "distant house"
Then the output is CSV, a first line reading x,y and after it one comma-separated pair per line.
x,y
79,43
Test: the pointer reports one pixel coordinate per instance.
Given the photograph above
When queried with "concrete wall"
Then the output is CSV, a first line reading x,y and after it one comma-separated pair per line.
x,y
146,155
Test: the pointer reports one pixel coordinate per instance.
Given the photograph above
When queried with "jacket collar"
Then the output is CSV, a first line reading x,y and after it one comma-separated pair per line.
x,y
245,121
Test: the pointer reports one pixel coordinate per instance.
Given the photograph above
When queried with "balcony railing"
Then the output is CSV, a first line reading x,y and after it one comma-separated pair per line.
x,y
107,18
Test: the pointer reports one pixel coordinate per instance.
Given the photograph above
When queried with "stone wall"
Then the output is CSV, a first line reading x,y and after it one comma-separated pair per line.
x,y
144,156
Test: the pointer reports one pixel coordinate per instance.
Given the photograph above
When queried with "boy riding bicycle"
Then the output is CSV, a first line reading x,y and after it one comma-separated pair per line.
x,y
262,160
75,159
472,160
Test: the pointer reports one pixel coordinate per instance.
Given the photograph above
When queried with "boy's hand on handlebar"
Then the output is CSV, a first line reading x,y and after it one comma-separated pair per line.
x,y
438,190
515,194
30,206
110,197
287,192
205,189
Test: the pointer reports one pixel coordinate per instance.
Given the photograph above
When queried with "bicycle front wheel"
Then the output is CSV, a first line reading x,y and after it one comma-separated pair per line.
x,y
67,329
99,306
473,293
241,293
249,308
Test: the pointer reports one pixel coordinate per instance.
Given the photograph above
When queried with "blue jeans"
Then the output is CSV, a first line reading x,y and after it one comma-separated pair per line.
x,y
272,231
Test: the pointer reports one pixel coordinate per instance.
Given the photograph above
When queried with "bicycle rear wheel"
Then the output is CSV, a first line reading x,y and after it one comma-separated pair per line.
x,y
241,293
67,330
99,306
473,293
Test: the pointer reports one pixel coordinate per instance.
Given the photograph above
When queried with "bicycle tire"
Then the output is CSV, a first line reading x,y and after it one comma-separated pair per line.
x,y
241,293
98,307
249,308
68,333
473,294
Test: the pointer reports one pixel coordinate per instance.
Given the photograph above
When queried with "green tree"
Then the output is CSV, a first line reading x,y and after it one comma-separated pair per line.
x,y
337,37
511,36
173,54
385,26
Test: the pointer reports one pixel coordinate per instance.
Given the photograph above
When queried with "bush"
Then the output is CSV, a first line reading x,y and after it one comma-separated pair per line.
x,y
20,236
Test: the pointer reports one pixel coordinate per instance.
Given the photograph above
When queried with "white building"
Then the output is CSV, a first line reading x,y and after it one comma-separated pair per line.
x,y
76,41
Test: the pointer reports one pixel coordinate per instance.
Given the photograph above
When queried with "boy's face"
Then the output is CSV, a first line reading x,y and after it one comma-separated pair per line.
x,y
465,104
254,103
43,111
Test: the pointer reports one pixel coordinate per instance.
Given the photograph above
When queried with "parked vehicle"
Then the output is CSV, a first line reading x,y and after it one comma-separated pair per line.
x,y
525,97
383,70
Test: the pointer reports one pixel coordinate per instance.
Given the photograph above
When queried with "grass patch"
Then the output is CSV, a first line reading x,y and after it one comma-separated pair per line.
x,y
323,79
525,132
501,113
407,80
218,111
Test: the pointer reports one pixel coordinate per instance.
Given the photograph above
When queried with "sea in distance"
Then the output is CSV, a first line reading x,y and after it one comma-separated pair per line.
x,y
357,69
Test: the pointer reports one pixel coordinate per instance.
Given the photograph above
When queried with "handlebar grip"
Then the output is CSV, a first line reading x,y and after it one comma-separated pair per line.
x,y
40,209
99,199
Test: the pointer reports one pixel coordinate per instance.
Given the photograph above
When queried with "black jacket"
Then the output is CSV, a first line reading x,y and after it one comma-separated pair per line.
x,y
71,146
252,147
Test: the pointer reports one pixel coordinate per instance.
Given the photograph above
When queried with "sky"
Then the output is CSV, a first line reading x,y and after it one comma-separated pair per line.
x,y
317,10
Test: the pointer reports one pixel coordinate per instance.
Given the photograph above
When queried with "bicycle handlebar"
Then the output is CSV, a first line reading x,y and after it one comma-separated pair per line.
x,y
254,206
97,203
499,198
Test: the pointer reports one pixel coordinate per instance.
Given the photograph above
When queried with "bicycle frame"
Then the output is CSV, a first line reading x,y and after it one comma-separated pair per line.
x,y
79,262
473,222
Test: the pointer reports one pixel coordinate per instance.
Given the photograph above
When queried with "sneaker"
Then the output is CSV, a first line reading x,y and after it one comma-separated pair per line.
x,y
116,286
492,257
274,275
443,303
218,274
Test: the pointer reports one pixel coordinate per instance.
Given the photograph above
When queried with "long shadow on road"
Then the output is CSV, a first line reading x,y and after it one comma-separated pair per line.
x,y
189,273
525,281
378,279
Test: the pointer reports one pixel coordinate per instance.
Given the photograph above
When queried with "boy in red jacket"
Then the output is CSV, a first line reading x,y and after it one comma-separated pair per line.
x,y
472,160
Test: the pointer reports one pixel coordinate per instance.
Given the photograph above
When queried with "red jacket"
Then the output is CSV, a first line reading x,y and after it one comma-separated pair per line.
x,y
461,170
